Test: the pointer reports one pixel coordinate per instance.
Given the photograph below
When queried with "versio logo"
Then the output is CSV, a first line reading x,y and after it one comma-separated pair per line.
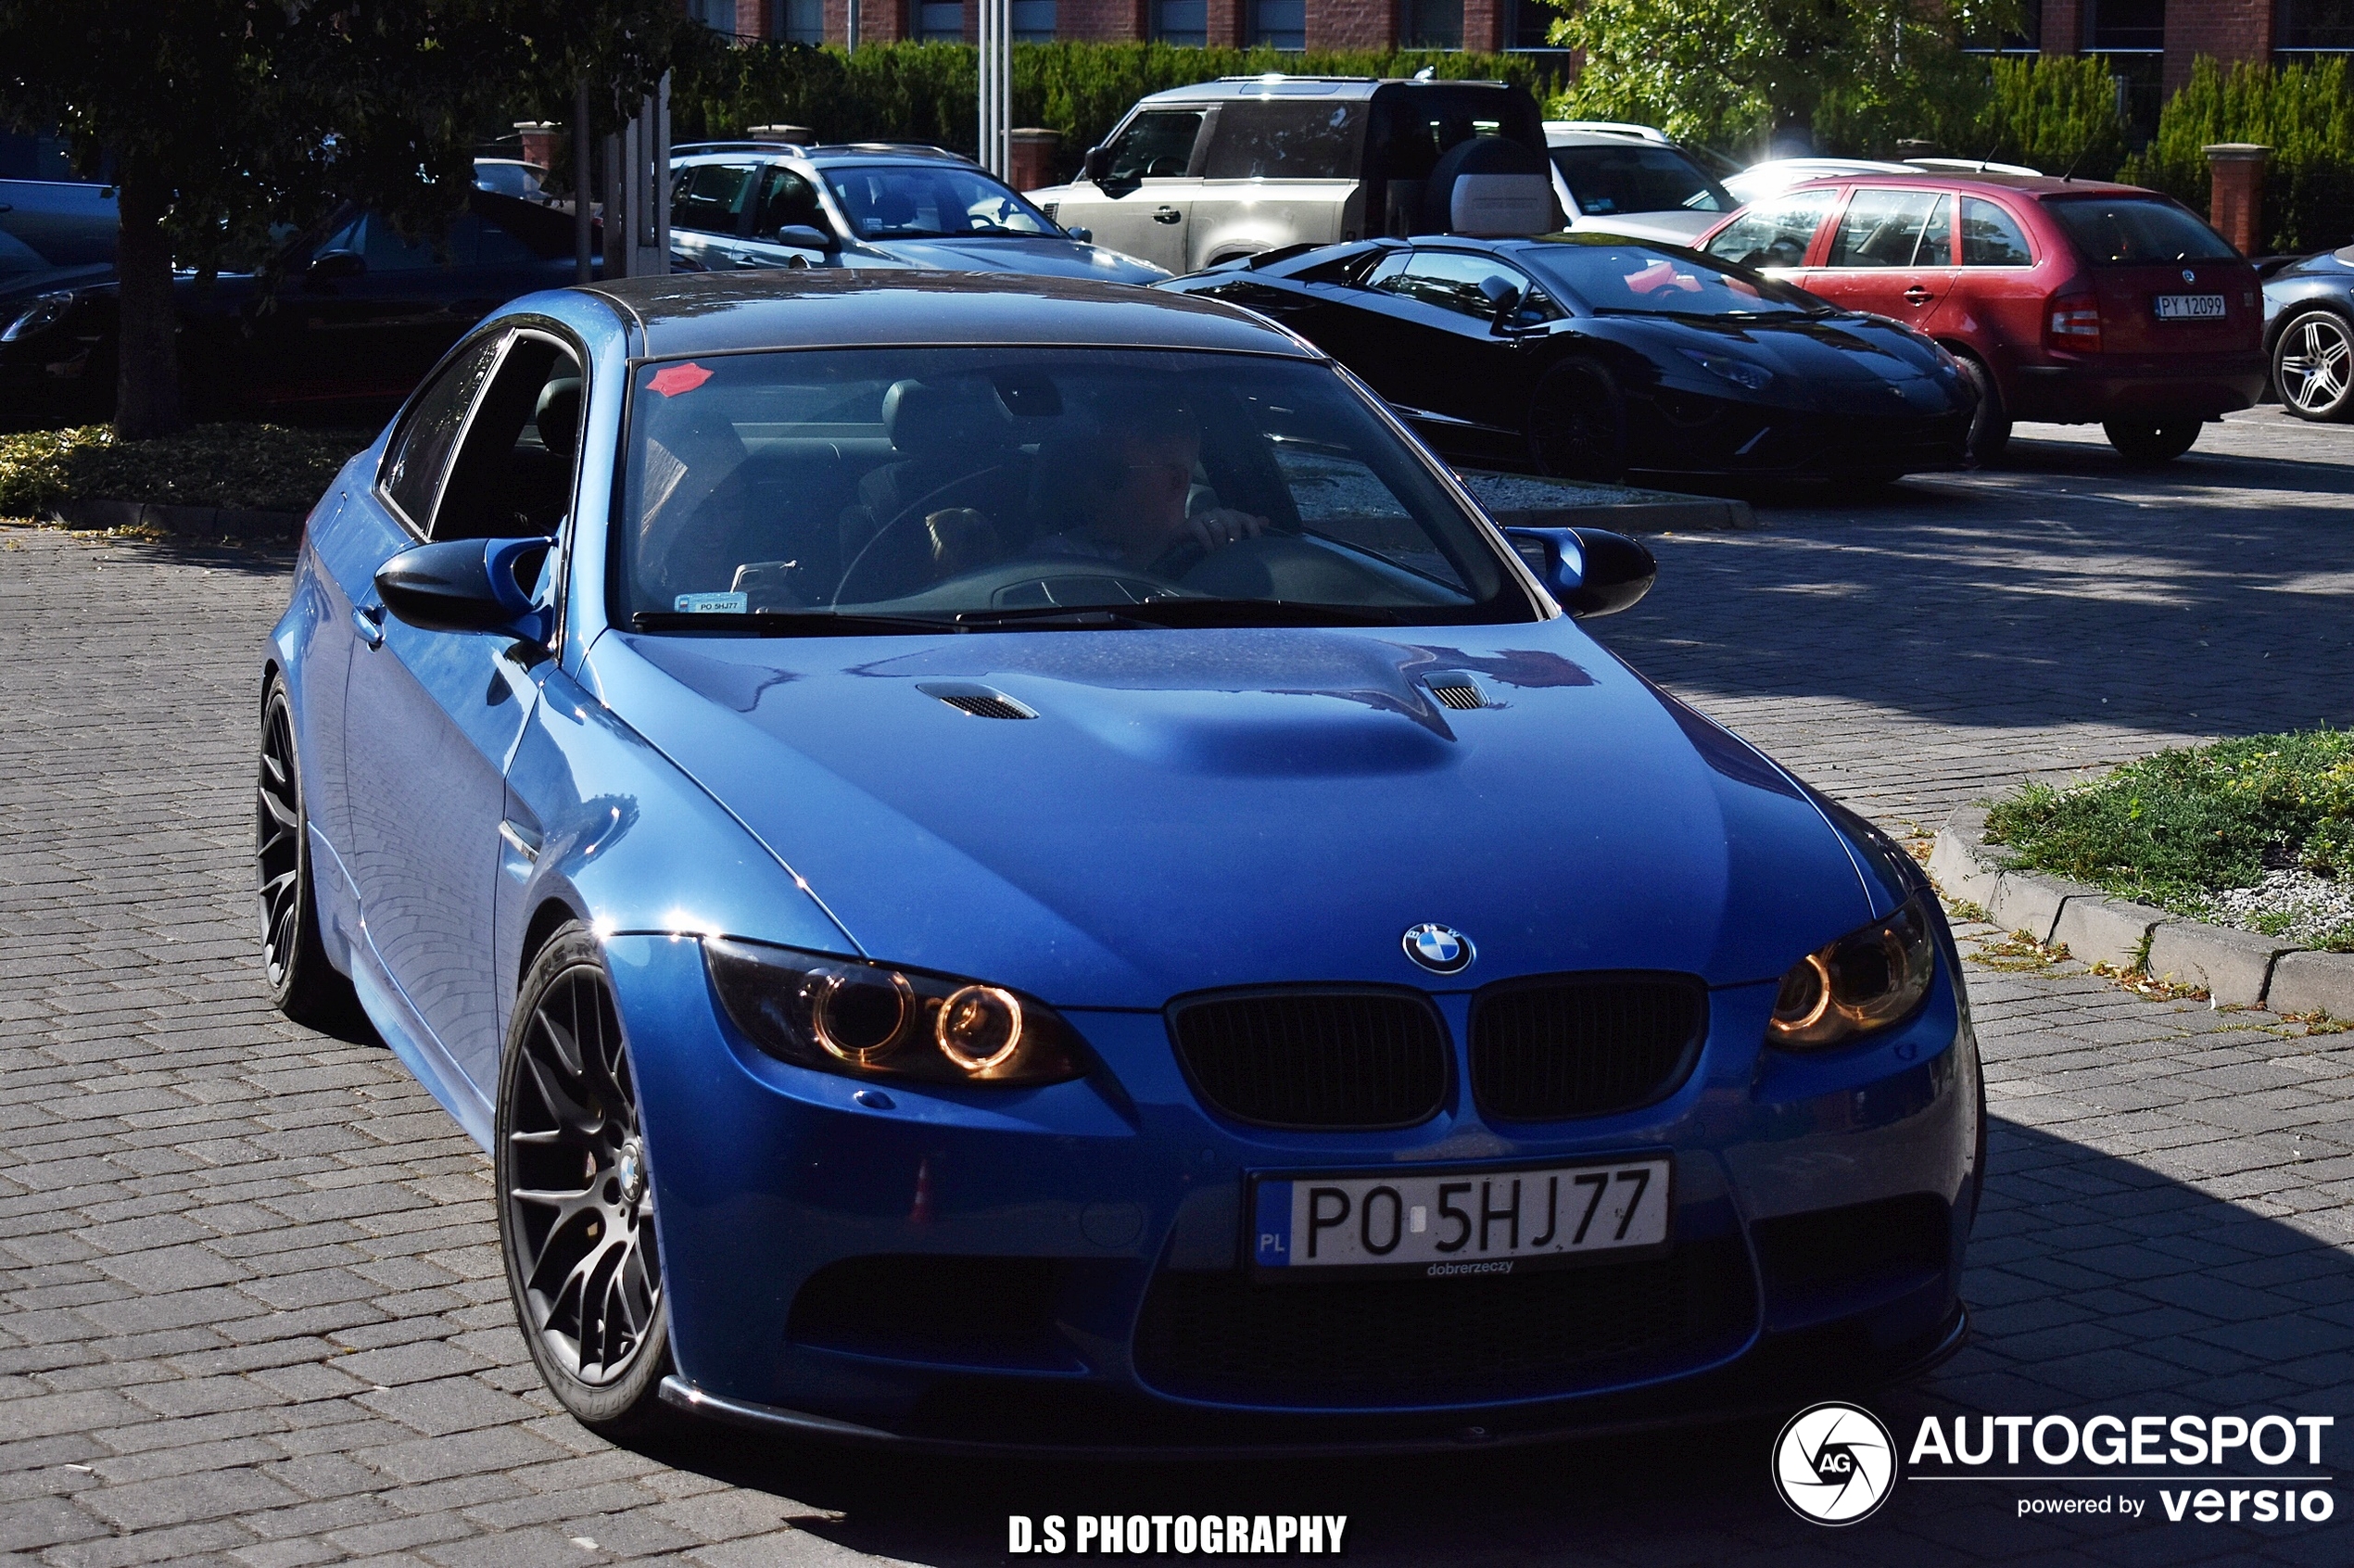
x,y
1834,1463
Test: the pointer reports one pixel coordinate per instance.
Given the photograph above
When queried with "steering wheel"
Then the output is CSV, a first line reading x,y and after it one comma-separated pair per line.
x,y
1033,582
915,510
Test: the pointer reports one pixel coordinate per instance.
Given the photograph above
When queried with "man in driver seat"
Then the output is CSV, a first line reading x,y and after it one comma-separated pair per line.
x,y
1126,500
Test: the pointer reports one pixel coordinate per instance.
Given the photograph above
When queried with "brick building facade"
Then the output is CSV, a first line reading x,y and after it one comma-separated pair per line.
x,y
1486,25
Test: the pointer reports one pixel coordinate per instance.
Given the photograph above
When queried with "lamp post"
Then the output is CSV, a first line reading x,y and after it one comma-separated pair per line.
x,y
996,84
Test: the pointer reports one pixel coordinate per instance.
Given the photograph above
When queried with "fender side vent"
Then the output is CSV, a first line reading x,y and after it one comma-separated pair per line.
x,y
978,700
1459,695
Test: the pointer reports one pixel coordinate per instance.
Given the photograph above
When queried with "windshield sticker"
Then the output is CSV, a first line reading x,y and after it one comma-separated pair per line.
x,y
676,379
712,603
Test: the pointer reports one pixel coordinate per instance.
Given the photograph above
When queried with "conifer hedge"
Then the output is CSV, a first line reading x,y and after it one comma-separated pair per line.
x,y
2301,111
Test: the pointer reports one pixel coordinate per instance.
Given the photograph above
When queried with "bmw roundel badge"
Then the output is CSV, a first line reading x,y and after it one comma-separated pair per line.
x,y
1440,949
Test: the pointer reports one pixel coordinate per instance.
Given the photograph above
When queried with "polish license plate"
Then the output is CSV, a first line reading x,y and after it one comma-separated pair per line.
x,y
2190,307
1443,1223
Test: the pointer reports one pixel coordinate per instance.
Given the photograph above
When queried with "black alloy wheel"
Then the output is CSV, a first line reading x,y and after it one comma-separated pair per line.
x,y
1989,427
303,984
2314,366
2148,443
1577,422
575,1195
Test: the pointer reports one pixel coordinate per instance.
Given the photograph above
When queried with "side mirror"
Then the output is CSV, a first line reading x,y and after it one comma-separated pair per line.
x,y
1096,166
1504,297
805,236
1084,236
469,585
330,265
1590,571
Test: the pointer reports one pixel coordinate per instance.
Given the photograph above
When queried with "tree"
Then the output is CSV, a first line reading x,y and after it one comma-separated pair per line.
x,y
220,118
1729,72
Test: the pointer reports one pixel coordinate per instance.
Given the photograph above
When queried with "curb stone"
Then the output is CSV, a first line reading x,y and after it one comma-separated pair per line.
x,y
244,524
2237,968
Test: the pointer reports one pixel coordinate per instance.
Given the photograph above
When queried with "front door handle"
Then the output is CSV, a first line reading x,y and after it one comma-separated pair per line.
x,y
368,620
1168,215
1916,295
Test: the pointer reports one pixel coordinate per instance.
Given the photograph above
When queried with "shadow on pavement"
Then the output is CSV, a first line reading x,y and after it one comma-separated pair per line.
x,y
2079,1257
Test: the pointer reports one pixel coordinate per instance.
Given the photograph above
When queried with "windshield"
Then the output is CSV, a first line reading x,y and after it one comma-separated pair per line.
x,y
1617,276
2123,231
905,201
1637,178
947,489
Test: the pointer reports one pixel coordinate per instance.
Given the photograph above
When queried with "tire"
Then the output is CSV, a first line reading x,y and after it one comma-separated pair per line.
x,y
303,984
2151,443
2314,366
1577,422
583,1268
1989,427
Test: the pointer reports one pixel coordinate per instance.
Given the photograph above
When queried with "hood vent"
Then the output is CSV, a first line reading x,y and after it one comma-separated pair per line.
x,y
978,700
1458,694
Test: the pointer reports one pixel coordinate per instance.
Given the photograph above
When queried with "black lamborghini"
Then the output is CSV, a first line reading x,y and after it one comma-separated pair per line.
x,y
1591,356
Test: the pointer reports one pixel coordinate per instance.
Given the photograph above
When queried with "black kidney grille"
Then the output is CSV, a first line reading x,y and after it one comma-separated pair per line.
x,y
1584,1046
1410,1341
1361,1059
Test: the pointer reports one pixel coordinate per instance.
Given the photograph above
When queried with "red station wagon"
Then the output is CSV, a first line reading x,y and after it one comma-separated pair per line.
x,y
2066,300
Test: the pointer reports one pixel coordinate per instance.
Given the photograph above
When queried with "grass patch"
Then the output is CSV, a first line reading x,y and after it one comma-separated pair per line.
x,y
2171,829
267,467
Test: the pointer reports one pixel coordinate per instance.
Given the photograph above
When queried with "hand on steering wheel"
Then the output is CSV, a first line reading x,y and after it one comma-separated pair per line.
x,y
1223,525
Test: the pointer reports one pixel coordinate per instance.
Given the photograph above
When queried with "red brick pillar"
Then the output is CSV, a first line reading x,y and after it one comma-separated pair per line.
x,y
1226,24
1484,25
538,141
1033,151
2235,205
1352,24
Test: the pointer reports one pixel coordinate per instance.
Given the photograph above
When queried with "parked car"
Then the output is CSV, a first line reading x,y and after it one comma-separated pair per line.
x,y
754,204
349,315
2309,335
1590,355
1198,175
1080,887
512,177
1632,180
2065,301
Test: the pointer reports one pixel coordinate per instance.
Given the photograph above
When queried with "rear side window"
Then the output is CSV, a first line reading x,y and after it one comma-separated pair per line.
x,y
1896,229
1991,237
1776,232
709,197
1637,178
1284,140
421,448
1155,146
2137,230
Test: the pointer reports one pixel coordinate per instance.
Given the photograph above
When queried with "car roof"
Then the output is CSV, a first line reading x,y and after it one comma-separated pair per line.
x,y
2037,185
820,153
1275,86
1604,139
840,307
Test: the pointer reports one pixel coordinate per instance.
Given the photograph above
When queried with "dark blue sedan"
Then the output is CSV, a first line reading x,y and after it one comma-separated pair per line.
x,y
1001,861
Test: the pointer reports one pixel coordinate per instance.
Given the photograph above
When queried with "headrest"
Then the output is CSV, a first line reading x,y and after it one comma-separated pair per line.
x,y
922,418
558,415
1489,186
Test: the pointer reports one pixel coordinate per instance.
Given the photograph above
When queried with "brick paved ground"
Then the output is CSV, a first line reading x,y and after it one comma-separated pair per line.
x,y
253,1311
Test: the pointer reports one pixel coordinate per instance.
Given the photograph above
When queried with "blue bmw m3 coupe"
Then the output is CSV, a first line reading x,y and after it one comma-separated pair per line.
x,y
1001,861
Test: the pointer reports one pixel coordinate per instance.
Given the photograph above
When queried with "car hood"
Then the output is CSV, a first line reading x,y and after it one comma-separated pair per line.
x,y
1197,809
1048,254
1839,364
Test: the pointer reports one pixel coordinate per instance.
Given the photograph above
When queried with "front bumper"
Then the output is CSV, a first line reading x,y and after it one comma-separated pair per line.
x,y
1684,433
1044,1267
2079,389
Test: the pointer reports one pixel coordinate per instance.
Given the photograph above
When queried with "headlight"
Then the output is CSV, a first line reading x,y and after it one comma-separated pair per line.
x,y
1739,371
1868,979
41,314
868,1021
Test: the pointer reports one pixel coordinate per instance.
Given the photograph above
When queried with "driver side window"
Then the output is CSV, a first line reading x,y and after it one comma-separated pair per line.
x,y
411,478
785,199
1775,233
513,477
1157,145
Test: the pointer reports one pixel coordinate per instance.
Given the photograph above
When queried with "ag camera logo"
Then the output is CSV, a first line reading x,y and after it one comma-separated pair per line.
x,y
1834,1463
